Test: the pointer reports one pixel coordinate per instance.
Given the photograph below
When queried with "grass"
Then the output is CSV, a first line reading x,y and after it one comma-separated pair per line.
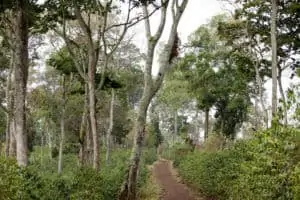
x,y
151,190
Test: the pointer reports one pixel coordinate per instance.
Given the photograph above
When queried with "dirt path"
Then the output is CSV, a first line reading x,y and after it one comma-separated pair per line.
x,y
172,189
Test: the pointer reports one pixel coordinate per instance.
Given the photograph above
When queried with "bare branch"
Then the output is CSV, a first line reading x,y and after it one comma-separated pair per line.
x,y
133,21
147,22
85,28
162,20
69,43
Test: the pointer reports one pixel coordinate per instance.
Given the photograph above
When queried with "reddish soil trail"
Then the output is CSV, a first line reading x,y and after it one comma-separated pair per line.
x,y
172,189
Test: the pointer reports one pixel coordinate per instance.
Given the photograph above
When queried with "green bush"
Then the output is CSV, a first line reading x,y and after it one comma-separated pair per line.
x,y
210,172
149,156
264,167
10,181
42,182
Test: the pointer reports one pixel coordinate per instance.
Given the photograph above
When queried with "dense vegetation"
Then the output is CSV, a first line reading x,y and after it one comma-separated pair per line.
x,y
83,116
264,167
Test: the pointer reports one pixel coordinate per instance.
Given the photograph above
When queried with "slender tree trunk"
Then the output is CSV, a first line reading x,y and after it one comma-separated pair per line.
x,y
49,140
83,128
274,57
89,143
62,127
12,142
285,117
111,124
21,74
92,107
9,98
42,147
175,126
206,123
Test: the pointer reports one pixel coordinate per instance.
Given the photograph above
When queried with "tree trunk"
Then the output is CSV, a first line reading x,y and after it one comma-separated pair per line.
x,y
49,140
42,147
83,128
206,124
111,124
151,87
274,57
12,141
21,74
9,99
175,127
92,107
285,117
89,143
62,127
128,191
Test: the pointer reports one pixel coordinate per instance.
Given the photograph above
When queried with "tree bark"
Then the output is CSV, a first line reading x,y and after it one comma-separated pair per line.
x,y
12,139
49,139
92,110
274,57
128,189
9,100
21,74
175,126
206,124
111,124
62,127
285,117
83,127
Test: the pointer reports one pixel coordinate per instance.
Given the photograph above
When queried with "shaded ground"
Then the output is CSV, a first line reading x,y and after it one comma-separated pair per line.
x,y
172,189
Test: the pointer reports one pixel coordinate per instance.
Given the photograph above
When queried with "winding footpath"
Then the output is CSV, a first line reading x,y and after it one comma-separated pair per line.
x,y
172,189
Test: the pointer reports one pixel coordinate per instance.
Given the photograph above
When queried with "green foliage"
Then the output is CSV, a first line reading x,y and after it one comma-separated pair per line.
x,y
41,181
268,172
265,167
9,179
211,173
150,156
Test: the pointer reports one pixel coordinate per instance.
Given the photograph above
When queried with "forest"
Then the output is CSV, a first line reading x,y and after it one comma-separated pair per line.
x,y
89,112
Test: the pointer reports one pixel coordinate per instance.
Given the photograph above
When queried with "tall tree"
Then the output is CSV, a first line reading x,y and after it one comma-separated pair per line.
x,y
128,190
95,35
21,73
274,57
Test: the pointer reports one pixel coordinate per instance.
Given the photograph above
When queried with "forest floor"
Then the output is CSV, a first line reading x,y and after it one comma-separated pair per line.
x,y
170,184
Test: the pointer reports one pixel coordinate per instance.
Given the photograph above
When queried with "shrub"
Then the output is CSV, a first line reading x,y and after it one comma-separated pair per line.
x,y
264,167
42,182
269,167
10,181
210,172
149,156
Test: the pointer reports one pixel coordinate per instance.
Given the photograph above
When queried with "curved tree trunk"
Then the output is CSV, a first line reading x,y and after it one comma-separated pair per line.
x,y
128,190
